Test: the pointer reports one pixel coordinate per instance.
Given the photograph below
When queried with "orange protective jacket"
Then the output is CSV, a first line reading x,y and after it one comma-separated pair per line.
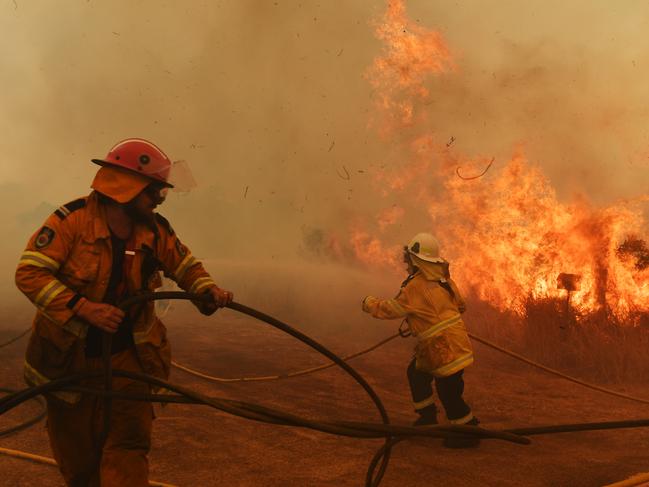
x,y
434,318
70,259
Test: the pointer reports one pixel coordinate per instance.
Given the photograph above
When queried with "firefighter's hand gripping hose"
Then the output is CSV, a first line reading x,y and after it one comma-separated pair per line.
x,y
391,433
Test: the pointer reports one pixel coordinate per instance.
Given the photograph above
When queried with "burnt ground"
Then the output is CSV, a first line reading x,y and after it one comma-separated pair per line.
x,y
197,446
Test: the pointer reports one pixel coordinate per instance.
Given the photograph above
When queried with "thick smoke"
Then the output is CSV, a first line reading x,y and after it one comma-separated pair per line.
x,y
270,104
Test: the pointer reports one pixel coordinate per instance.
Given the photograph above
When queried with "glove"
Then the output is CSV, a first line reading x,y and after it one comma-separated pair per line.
x,y
220,298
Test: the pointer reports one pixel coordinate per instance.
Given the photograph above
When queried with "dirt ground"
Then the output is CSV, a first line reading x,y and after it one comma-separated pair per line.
x,y
197,446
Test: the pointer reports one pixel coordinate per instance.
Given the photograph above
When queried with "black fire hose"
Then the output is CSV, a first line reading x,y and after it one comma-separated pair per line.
x,y
41,402
391,433
255,411
124,305
28,423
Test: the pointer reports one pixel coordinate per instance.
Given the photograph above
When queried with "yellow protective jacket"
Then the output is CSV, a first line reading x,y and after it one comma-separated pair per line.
x,y
433,317
70,259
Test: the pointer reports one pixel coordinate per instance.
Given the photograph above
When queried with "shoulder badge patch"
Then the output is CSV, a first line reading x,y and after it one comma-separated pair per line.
x,y
44,238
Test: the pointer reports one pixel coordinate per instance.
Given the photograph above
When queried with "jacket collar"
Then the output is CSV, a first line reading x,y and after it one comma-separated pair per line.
x,y
98,224
433,271
99,228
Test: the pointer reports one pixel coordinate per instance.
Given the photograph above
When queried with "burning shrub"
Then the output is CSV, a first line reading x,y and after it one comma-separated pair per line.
x,y
636,250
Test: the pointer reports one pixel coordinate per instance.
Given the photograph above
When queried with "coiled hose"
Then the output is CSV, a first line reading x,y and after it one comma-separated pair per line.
x,y
391,433
281,326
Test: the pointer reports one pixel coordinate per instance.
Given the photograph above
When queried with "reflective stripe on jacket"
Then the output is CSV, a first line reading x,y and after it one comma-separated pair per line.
x,y
433,316
71,257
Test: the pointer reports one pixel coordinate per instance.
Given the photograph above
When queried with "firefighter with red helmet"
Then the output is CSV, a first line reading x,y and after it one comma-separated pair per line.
x,y
89,255
431,304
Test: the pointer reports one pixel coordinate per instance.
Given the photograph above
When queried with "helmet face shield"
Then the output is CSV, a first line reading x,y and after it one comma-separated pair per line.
x,y
181,177
136,165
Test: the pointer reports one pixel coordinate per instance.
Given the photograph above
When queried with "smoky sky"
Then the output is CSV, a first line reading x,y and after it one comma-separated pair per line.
x,y
269,103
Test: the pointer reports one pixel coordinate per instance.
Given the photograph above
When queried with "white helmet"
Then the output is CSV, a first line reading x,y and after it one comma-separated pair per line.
x,y
426,247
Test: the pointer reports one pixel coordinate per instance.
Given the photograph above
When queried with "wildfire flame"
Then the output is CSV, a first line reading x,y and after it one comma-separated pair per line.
x,y
390,216
506,234
411,54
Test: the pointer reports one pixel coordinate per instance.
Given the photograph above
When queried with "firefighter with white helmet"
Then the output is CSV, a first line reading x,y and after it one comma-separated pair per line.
x,y
431,304
89,255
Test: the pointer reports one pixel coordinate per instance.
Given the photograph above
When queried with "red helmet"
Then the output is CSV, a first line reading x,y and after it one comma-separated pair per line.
x,y
141,157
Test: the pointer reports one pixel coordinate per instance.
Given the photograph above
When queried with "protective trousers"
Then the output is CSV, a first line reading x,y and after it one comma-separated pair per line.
x,y
74,432
449,391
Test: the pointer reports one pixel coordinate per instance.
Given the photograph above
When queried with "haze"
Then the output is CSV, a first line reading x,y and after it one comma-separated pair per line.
x,y
269,104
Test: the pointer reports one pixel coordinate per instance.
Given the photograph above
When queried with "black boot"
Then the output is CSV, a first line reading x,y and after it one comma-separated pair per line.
x,y
427,416
472,442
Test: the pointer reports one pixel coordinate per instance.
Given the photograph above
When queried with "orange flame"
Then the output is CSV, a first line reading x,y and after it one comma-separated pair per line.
x,y
371,251
506,234
390,216
411,53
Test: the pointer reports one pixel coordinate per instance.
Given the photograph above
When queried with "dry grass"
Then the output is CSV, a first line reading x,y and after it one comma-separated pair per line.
x,y
596,347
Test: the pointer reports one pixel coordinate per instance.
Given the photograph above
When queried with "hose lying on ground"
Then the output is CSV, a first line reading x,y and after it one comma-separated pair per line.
x,y
260,413
557,373
255,412
392,433
286,329
637,480
311,370
288,375
50,461
345,428
16,338
30,422
478,339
